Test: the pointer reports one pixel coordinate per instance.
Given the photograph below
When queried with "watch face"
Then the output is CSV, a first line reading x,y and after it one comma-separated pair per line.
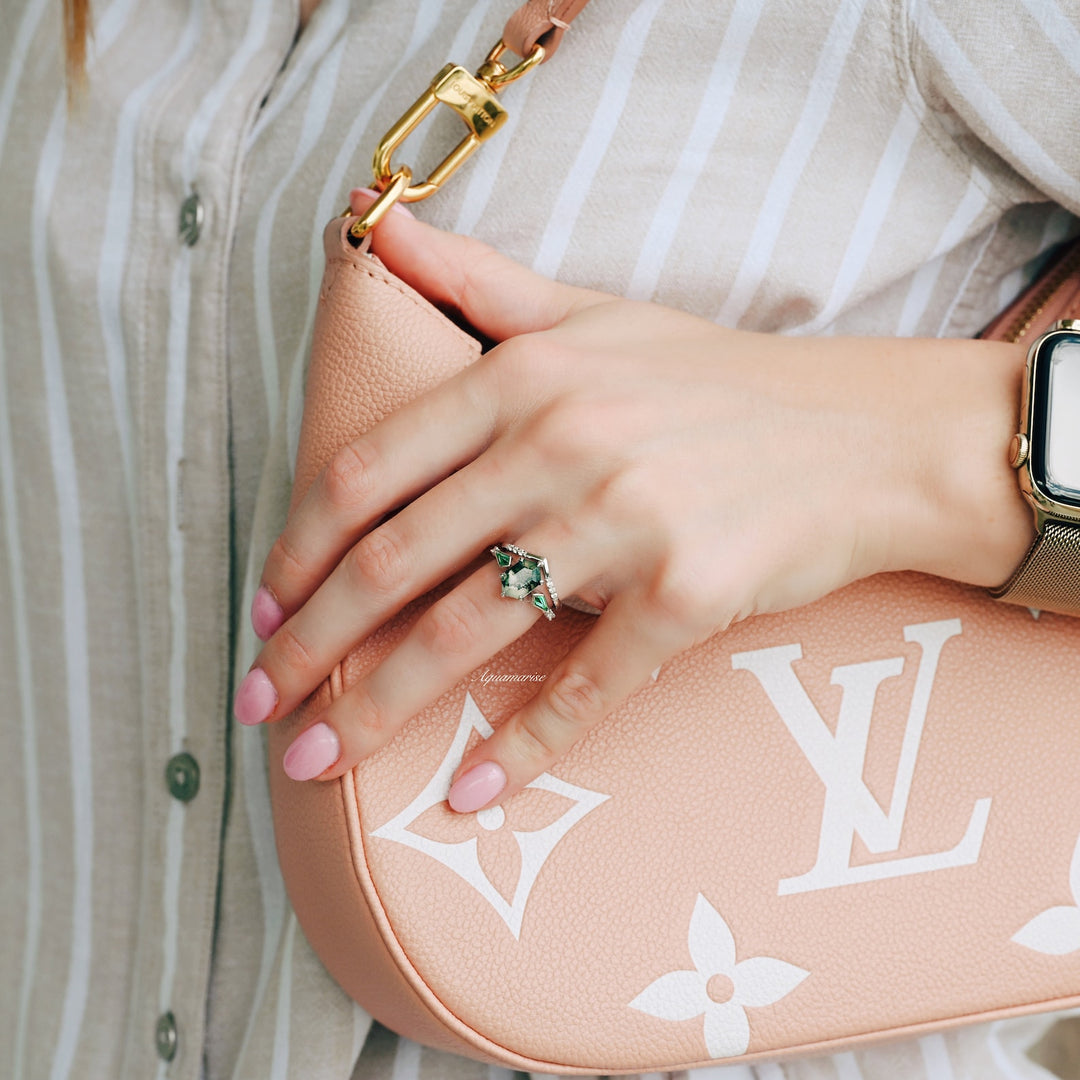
x,y
1055,434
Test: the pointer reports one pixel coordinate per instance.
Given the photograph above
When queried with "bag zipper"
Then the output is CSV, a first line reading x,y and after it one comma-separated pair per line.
x,y
1057,277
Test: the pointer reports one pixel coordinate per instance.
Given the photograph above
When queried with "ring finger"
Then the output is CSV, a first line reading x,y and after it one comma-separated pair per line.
x,y
452,638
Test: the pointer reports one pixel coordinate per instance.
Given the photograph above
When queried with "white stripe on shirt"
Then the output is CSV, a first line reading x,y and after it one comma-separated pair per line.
x,y
1059,29
712,111
318,109
992,111
330,18
972,204
847,1067
935,1056
407,1060
28,25
602,127
74,629
946,319
789,171
427,17
28,714
176,388
279,1064
864,236
115,236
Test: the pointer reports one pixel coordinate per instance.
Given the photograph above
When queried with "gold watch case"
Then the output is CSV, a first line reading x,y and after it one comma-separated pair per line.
x,y
1025,450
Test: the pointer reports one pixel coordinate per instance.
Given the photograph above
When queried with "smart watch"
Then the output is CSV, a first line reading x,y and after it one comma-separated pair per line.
x,y
1046,454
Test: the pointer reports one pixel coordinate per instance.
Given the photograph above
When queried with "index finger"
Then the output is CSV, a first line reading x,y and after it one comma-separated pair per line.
x,y
497,295
402,456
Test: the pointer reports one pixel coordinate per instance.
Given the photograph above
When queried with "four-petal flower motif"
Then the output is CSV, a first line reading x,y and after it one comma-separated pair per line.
x,y
495,831
503,876
718,987
1056,931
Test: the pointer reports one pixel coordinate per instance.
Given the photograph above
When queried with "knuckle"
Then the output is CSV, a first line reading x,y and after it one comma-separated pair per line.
x,y
379,562
626,495
347,480
570,427
572,704
579,426
677,595
478,386
495,470
575,699
369,722
534,745
453,625
558,433
482,260
522,367
291,654
284,560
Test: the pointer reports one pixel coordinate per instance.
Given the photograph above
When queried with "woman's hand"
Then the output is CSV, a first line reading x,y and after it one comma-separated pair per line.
x,y
675,474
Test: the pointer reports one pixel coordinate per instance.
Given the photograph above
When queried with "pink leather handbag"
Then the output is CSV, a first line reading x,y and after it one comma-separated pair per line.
x,y
848,822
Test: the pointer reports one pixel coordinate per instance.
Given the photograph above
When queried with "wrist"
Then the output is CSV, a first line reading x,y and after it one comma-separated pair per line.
x,y
965,517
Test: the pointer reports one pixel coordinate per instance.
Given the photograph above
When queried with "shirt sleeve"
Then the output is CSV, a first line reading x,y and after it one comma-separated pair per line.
x,y
1003,77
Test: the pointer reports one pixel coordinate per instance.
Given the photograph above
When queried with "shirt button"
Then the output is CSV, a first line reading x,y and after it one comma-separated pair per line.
x,y
165,1036
191,219
182,776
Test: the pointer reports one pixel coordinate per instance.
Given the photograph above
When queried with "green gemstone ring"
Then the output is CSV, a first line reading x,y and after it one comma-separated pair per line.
x,y
526,577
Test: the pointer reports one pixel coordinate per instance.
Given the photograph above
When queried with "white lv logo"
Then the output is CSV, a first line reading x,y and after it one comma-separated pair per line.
x,y
839,759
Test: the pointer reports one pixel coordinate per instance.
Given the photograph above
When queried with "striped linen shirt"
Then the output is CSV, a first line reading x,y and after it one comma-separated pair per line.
x,y
893,167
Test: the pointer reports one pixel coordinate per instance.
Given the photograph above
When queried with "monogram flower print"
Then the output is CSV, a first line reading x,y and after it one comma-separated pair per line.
x,y
1056,931
718,987
495,832
500,851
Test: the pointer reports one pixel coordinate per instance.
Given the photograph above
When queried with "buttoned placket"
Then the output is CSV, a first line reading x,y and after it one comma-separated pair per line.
x,y
186,525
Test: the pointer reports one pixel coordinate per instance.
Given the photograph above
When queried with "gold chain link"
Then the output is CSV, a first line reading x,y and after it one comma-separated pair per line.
x,y
472,97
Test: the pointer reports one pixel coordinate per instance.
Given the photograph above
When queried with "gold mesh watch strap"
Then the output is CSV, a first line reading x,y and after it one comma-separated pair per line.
x,y
1049,576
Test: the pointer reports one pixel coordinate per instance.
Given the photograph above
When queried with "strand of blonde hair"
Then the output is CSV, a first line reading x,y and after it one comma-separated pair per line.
x,y
76,34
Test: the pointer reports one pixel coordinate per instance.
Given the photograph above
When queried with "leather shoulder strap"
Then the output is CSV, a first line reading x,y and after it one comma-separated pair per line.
x,y
543,21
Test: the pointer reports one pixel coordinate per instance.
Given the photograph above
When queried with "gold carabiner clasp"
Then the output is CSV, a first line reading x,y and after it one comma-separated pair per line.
x,y
472,97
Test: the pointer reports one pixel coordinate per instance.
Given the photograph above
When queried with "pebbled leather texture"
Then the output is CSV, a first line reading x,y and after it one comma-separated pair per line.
x,y
673,838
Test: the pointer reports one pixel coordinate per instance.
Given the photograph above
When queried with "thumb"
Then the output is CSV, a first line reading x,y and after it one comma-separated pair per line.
x,y
499,297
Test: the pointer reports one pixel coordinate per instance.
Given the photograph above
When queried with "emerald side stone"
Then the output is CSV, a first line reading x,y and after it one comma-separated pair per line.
x,y
503,558
540,601
521,578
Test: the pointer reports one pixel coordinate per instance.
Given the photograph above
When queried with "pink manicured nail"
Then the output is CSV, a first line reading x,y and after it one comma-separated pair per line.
x,y
477,787
312,753
256,697
266,613
398,207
